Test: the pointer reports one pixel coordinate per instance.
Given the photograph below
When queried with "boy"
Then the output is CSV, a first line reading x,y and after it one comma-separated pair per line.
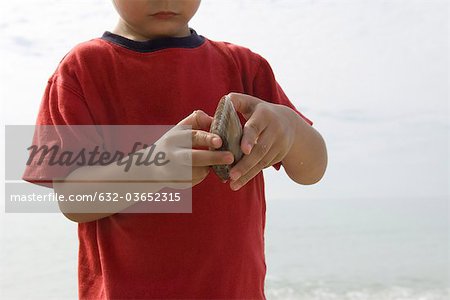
x,y
154,69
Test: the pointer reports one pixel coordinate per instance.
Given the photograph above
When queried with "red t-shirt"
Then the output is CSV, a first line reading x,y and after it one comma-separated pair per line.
x,y
217,251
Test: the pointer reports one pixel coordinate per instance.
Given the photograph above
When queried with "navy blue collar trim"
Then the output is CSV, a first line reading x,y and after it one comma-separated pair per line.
x,y
192,41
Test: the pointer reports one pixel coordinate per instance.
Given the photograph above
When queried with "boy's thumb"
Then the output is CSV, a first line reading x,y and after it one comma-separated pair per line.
x,y
198,120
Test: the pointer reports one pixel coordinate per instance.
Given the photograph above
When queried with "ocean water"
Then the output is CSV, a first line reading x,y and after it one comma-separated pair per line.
x,y
337,249
362,248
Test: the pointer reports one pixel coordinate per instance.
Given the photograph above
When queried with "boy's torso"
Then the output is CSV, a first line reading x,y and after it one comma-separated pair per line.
x,y
217,251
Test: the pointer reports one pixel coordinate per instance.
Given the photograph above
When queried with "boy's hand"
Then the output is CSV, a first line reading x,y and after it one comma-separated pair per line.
x,y
199,157
267,136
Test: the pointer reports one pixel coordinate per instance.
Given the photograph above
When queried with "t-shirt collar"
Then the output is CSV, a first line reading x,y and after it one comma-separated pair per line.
x,y
192,41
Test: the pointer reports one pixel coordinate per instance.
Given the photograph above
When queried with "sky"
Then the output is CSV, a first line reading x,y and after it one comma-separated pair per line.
x,y
371,75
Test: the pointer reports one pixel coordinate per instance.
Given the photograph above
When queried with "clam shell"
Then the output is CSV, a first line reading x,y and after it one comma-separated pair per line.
x,y
227,125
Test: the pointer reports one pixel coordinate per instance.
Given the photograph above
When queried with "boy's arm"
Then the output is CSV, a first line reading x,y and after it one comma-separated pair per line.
x,y
307,158
75,184
113,179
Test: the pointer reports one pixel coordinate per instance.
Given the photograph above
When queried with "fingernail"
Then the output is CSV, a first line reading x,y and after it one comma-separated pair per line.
x,y
234,186
216,141
249,148
235,175
229,159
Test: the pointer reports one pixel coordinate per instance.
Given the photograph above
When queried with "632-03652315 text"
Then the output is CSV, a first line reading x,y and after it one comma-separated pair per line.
x,y
102,197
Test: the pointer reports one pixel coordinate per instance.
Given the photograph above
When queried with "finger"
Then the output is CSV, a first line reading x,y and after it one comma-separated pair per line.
x,y
259,152
205,139
245,104
252,130
193,138
198,158
211,158
198,120
262,164
274,161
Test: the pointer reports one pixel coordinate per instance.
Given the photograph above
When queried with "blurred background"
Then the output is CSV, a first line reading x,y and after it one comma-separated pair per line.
x,y
373,77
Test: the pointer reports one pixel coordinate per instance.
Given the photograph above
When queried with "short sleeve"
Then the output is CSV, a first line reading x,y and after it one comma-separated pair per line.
x,y
61,112
267,88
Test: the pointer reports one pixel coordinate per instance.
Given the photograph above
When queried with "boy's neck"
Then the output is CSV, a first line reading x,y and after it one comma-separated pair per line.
x,y
127,32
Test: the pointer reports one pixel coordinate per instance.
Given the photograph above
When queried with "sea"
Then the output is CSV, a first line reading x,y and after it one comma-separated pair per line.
x,y
358,249
336,249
